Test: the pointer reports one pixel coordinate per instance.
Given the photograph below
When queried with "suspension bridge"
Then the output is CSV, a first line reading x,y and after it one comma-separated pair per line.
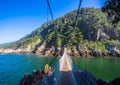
x,y
66,75
69,77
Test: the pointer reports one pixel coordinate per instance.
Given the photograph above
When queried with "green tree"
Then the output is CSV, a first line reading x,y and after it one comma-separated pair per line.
x,y
112,7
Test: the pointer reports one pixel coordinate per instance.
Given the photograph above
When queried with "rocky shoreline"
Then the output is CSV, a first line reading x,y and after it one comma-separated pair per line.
x,y
39,77
71,52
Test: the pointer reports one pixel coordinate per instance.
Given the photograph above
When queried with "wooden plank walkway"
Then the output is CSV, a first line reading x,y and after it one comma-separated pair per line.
x,y
84,78
68,77
76,78
65,64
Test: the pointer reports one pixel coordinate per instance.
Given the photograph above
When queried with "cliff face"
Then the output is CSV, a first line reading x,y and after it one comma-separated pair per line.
x,y
92,32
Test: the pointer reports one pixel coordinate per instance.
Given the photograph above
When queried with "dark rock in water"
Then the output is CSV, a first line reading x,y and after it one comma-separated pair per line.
x,y
29,79
26,80
118,55
101,82
115,82
96,54
38,78
104,53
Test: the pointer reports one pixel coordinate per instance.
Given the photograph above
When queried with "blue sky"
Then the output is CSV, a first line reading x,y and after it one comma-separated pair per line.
x,y
20,17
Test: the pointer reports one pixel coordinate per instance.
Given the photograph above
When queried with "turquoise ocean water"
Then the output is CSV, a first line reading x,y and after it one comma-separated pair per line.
x,y
14,66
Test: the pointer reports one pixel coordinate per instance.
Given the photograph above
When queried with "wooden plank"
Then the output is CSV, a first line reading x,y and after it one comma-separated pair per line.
x,y
66,78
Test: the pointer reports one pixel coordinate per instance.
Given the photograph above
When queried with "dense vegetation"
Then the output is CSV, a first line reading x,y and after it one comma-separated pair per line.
x,y
72,35
112,8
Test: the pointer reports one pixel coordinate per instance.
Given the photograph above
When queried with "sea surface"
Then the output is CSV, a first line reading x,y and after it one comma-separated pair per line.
x,y
14,66
103,68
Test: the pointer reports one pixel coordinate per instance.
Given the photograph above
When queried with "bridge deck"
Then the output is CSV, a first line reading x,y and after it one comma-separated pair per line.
x,y
84,78
68,77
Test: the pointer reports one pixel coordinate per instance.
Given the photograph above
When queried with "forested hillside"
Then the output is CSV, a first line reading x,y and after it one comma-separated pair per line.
x,y
93,30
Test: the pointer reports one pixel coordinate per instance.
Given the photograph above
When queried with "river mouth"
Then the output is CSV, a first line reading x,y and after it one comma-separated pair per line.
x,y
14,66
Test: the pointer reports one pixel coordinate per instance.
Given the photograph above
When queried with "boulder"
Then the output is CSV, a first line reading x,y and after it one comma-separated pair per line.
x,y
47,53
115,82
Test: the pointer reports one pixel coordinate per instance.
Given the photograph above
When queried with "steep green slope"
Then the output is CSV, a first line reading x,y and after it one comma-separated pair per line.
x,y
84,34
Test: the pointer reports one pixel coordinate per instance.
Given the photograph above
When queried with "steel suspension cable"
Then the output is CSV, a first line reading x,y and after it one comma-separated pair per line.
x,y
76,18
50,9
79,8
